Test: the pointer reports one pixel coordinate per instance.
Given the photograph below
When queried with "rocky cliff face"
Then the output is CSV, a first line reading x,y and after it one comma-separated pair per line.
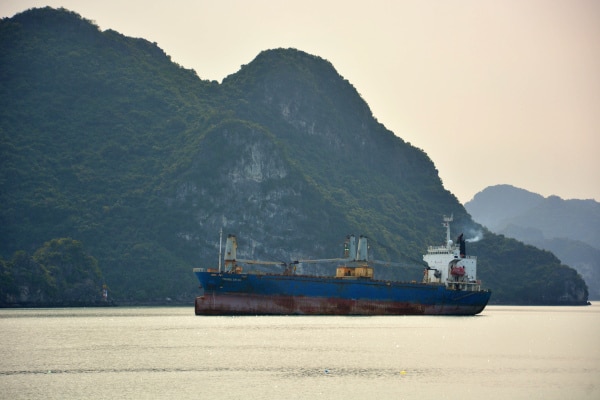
x,y
253,190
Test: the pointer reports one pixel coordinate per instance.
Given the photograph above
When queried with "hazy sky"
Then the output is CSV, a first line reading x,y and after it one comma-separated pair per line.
x,y
494,92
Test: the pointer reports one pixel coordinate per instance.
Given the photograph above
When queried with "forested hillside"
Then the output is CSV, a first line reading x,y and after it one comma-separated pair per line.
x,y
104,140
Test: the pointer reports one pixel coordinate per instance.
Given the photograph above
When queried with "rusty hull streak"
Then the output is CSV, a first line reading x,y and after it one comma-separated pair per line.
x,y
250,304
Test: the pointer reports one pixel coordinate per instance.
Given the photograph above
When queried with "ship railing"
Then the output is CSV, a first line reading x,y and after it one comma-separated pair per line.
x,y
466,286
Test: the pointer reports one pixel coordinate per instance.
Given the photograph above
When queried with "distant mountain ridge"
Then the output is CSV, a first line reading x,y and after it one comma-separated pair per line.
x,y
568,228
103,139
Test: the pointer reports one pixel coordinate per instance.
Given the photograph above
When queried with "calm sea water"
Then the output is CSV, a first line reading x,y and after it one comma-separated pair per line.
x,y
147,353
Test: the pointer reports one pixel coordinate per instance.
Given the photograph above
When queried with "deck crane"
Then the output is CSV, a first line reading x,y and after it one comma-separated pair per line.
x,y
353,254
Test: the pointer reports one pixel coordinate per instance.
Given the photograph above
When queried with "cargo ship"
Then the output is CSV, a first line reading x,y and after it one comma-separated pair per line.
x,y
449,285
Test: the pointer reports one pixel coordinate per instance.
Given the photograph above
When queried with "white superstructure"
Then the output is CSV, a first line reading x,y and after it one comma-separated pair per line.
x,y
450,265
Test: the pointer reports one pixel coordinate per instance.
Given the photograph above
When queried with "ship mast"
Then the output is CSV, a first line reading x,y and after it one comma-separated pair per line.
x,y
220,247
446,224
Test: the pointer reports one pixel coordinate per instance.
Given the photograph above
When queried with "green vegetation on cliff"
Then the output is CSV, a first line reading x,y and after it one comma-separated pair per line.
x,y
59,273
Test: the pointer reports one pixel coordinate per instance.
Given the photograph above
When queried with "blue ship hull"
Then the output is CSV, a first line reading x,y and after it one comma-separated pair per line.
x,y
270,294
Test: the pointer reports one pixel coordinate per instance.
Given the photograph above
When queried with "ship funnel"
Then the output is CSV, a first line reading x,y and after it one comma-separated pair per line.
x,y
461,246
230,248
361,255
350,247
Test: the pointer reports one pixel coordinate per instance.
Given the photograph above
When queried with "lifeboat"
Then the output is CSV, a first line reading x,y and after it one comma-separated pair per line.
x,y
457,271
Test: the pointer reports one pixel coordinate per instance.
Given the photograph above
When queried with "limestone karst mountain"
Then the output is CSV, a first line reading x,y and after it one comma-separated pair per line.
x,y
105,140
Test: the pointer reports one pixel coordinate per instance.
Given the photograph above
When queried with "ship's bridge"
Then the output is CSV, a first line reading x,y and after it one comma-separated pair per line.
x,y
439,250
